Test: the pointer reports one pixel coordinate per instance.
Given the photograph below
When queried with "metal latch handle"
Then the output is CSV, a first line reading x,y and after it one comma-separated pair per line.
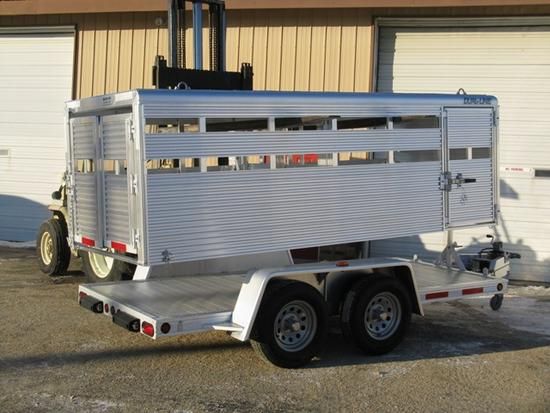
x,y
447,181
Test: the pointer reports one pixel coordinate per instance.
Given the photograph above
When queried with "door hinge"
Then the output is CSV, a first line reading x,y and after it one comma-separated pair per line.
x,y
135,237
130,129
133,184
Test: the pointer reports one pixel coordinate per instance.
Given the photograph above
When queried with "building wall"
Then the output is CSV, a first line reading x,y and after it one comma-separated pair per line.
x,y
290,50
298,49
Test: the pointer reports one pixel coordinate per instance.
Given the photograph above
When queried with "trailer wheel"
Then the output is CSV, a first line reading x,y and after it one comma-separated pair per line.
x,y
376,314
52,249
100,268
291,325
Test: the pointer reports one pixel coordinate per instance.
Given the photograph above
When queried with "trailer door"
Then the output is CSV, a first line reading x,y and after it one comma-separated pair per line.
x,y
470,164
100,190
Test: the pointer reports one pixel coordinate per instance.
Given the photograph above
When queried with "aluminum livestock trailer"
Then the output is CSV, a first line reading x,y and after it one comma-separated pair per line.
x,y
164,177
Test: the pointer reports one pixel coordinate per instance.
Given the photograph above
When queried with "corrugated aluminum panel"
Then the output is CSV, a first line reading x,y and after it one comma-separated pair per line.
x,y
320,141
467,127
512,64
113,129
83,137
117,216
207,215
472,203
233,104
85,204
36,73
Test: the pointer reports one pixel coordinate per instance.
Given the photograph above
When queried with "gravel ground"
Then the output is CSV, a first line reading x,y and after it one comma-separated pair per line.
x,y
56,357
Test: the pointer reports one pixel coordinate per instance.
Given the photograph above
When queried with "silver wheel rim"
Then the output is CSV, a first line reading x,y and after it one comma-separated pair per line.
x,y
101,265
295,326
382,316
46,248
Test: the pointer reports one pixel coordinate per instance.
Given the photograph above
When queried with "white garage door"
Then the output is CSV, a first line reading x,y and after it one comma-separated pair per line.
x,y
36,71
512,63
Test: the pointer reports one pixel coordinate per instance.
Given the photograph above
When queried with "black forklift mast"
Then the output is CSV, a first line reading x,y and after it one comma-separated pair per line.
x,y
173,74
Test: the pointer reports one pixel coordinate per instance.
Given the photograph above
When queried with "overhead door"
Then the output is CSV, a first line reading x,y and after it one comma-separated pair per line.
x,y
36,69
513,63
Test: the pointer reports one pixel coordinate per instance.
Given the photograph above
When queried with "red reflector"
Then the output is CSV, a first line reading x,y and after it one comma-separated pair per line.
x,y
88,241
147,329
433,296
467,291
118,246
106,308
342,263
82,294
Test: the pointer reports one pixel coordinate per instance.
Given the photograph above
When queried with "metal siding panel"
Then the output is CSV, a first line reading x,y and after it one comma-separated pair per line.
x,y
270,210
274,46
31,128
113,51
288,54
83,138
259,52
318,50
246,37
151,50
363,52
100,54
232,41
332,54
510,63
138,51
347,52
114,136
125,51
86,69
85,202
117,217
303,50
163,146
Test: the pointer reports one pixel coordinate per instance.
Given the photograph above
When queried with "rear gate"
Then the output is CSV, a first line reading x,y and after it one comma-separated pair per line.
x,y
100,188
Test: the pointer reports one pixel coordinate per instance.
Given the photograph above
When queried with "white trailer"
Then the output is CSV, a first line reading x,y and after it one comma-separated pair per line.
x,y
214,178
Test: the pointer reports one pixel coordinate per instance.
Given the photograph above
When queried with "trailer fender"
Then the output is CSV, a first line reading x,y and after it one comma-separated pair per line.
x,y
251,293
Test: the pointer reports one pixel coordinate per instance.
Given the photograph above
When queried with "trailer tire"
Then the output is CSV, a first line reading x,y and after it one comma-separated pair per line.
x,y
297,309
100,268
376,314
52,249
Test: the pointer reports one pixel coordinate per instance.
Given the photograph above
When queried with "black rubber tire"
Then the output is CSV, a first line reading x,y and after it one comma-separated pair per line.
x,y
496,302
263,340
120,270
60,251
355,305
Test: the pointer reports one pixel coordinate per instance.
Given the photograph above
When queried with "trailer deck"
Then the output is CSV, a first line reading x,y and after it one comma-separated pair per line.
x,y
201,303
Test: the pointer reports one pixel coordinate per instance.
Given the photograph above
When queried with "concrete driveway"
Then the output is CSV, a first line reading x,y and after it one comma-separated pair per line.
x,y
463,357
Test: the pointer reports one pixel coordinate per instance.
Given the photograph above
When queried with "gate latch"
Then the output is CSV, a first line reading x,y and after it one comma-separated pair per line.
x,y
446,181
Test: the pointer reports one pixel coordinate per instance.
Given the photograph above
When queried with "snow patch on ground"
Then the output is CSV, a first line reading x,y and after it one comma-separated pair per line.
x,y
524,309
16,244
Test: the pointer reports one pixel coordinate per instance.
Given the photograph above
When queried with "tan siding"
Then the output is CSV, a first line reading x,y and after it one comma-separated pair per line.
x,y
113,49
288,54
259,53
289,49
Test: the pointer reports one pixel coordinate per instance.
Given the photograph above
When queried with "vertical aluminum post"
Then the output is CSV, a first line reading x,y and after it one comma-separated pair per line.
x,y
172,33
197,34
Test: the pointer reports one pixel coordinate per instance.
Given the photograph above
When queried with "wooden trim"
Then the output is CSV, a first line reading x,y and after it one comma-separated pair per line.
x,y
33,7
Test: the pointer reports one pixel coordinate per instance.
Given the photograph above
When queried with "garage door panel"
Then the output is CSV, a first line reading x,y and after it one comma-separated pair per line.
x,y
512,63
35,80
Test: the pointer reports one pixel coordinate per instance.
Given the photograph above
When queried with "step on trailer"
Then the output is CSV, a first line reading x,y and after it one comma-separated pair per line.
x,y
164,177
